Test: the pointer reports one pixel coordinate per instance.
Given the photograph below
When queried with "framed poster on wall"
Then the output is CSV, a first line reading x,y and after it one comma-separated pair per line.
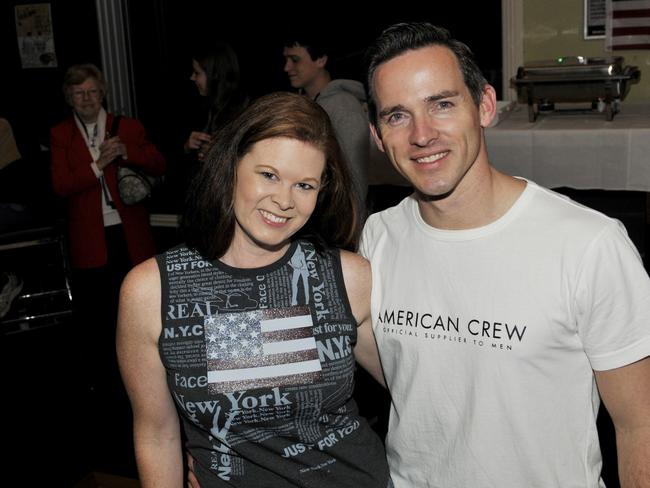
x,y
35,36
594,19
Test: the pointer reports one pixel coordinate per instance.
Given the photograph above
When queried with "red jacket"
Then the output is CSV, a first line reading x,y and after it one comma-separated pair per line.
x,y
74,179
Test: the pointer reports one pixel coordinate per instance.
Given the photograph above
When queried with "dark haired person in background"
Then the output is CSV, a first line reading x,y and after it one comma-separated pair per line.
x,y
215,71
306,59
501,309
259,366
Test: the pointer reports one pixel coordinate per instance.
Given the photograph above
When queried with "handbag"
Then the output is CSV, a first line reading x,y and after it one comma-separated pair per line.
x,y
133,184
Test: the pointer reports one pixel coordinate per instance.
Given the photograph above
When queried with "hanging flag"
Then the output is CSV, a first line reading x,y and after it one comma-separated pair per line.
x,y
628,24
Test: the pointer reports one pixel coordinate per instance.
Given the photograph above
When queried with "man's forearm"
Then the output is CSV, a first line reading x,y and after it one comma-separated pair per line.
x,y
634,457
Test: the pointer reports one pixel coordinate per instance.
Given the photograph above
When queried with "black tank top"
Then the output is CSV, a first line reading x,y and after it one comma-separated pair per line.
x,y
260,365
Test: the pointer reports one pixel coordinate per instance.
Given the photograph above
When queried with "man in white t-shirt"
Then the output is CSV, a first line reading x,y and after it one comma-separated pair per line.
x,y
501,309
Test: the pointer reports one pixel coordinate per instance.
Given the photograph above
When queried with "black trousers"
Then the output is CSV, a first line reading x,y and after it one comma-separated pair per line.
x,y
95,297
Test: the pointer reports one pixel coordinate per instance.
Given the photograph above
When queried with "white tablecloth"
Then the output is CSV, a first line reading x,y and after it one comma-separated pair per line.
x,y
576,150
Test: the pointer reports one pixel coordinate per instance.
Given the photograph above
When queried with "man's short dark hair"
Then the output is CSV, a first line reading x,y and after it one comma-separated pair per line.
x,y
399,38
313,42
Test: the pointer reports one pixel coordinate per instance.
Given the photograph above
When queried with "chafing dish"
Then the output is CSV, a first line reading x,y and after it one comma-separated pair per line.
x,y
602,82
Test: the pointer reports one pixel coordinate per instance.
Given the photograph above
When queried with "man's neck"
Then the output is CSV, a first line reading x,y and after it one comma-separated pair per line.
x,y
317,85
483,199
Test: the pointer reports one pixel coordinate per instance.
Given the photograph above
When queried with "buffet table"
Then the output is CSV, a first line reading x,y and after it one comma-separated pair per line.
x,y
575,149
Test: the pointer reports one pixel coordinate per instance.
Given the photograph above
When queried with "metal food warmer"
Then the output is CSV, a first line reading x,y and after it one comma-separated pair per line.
x,y
602,82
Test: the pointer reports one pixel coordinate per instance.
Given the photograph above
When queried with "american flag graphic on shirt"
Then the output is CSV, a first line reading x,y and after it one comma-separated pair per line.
x,y
261,348
628,24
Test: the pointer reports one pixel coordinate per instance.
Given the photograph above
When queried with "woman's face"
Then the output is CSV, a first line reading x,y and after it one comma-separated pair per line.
x,y
276,188
86,100
199,78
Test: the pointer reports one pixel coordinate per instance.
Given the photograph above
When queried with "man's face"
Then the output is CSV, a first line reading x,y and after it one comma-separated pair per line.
x,y
301,69
427,121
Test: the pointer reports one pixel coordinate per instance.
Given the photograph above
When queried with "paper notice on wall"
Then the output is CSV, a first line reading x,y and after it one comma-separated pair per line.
x,y
594,22
35,36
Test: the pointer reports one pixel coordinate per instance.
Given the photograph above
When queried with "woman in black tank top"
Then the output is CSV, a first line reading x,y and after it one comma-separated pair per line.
x,y
245,338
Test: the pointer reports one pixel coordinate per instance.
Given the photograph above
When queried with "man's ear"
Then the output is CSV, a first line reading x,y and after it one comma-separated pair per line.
x,y
488,106
376,136
322,61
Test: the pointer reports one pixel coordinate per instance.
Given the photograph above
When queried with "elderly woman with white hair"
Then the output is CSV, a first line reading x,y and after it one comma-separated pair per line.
x,y
106,237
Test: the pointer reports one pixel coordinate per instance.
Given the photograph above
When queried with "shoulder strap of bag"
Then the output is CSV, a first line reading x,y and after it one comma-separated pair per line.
x,y
102,180
115,125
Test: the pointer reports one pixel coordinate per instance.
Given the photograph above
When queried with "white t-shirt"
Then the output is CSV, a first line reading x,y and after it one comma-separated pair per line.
x,y
488,338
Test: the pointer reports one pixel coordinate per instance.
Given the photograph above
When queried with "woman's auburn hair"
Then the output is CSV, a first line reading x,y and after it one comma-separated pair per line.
x,y
208,222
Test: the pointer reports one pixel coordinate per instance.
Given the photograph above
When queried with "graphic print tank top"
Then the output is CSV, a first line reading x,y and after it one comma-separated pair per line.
x,y
260,366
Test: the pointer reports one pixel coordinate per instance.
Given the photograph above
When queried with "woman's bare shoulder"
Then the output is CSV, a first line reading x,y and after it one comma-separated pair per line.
x,y
142,280
140,301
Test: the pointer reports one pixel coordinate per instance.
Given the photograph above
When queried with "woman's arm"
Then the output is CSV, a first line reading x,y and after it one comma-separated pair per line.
x,y
358,282
156,429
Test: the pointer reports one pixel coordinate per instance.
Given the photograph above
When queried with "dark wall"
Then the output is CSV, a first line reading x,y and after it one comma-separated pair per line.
x,y
31,99
162,33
